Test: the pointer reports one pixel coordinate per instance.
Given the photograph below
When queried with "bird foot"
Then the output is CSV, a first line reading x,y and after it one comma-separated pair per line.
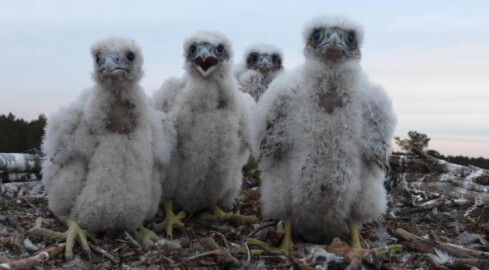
x,y
171,220
382,252
354,236
284,248
146,236
74,232
218,214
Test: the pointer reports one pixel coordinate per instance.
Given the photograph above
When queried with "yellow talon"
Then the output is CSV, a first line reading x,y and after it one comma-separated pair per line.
x,y
74,231
355,240
218,214
285,247
171,220
146,236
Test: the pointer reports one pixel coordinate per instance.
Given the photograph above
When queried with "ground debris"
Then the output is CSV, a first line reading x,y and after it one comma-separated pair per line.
x,y
438,212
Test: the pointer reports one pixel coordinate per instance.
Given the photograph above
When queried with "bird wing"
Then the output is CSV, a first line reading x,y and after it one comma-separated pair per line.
x,y
163,99
62,139
164,138
270,130
248,106
379,121
238,69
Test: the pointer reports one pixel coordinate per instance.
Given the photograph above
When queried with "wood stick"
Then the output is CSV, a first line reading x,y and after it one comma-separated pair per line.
x,y
264,226
471,252
428,246
223,238
37,259
18,162
221,253
104,253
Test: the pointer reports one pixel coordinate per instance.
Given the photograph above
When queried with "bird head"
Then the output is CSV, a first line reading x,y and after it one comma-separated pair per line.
x,y
332,40
117,60
207,54
265,59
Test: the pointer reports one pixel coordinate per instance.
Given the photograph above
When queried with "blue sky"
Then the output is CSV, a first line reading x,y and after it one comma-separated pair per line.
x,y
431,56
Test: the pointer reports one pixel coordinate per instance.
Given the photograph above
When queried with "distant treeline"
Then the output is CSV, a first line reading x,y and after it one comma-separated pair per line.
x,y
18,135
461,160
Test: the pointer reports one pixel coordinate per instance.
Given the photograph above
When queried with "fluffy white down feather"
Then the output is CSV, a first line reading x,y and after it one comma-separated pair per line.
x,y
323,170
100,179
251,81
211,120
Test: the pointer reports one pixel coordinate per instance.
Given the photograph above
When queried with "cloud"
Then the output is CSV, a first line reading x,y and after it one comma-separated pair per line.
x,y
431,56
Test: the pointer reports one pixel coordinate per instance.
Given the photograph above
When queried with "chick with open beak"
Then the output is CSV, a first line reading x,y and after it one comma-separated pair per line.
x,y
206,57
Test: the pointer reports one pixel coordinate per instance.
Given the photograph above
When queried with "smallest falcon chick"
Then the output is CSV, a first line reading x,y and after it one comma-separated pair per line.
x,y
262,64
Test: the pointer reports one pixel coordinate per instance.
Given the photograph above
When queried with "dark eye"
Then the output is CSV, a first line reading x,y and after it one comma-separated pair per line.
x,y
317,35
97,58
350,37
130,56
253,58
193,49
275,59
220,48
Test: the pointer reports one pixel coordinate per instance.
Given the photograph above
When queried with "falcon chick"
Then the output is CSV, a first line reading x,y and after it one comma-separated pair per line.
x,y
102,151
262,64
324,134
212,132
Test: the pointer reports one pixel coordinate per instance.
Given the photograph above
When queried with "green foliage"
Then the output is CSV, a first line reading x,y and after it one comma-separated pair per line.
x,y
420,141
416,140
461,160
19,135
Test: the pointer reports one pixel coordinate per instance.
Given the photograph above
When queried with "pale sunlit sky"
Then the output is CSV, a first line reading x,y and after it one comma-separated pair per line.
x,y
432,57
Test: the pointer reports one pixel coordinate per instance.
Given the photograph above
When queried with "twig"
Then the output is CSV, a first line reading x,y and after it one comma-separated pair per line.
x,y
426,245
131,240
226,242
39,258
264,226
104,253
480,263
422,208
164,257
423,155
248,255
471,252
228,258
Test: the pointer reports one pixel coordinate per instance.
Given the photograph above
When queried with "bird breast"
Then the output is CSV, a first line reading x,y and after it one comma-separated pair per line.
x,y
121,118
331,101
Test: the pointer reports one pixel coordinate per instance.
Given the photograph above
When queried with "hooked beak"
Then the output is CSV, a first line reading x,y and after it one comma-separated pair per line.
x,y
205,61
111,67
334,42
265,65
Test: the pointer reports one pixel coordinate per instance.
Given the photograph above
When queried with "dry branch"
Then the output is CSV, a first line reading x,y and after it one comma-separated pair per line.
x,y
15,162
39,258
429,246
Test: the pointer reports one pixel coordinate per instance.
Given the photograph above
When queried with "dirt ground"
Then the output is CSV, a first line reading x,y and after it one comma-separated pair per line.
x,y
438,213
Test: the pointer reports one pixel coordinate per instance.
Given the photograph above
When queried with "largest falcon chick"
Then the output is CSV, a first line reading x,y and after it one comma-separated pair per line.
x,y
103,150
212,131
324,133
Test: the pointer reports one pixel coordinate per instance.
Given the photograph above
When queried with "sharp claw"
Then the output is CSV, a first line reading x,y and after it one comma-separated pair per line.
x,y
285,247
171,220
70,241
147,237
73,233
221,215
88,253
